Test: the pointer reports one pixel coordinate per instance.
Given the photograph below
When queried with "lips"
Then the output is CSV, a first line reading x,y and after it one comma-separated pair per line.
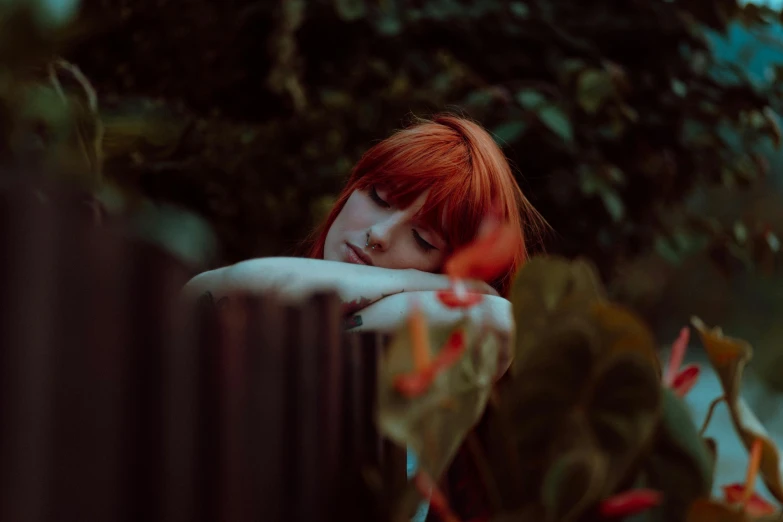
x,y
356,256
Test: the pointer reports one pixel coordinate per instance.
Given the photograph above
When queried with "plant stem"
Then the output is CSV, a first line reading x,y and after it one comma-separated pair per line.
x,y
710,411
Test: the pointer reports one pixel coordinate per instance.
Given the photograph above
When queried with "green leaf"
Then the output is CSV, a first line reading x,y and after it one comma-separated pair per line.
x,y
389,24
568,68
480,98
740,232
579,391
335,99
773,125
545,285
519,9
680,464
728,357
55,13
350,10
572,484
182,234
679,88
557,121
530,99
435,423
586,383
594,88
509,132
613,204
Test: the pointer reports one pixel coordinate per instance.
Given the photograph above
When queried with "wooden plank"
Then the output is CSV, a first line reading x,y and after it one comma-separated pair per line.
x,y
330,354
118,406
208,400
265,414
89,353
25,347
303,412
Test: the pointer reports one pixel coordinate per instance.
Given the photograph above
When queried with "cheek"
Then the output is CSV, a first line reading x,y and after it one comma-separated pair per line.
x,y
355,215
424,263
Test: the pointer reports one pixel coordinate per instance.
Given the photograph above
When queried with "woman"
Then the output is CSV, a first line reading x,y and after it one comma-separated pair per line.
x,y
409,203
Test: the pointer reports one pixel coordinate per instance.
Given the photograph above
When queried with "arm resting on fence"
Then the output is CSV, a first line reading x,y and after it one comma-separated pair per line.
x,y
358,285
389,313
493,313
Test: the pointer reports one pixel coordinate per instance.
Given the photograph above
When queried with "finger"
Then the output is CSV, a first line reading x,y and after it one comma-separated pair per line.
x,y
480,287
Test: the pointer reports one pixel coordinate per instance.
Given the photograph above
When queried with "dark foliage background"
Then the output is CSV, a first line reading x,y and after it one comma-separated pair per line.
x,y
252,113
646,151
643,148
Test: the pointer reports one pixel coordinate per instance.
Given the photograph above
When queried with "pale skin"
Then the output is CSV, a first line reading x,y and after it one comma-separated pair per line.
x,y
378,258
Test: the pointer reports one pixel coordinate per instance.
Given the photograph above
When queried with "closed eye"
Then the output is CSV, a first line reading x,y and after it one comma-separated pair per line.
x,y
427,247
377,199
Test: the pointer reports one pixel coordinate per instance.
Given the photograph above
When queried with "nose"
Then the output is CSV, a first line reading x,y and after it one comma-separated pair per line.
x,y
381,234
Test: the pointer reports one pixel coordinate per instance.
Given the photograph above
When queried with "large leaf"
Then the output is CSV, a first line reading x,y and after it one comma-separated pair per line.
x,y
680,464
433,424
56,125
729,357
544,287
86,139
623,332
572,484
583,403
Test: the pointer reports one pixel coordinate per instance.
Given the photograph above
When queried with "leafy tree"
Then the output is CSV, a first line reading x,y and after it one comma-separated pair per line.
x,y
252,113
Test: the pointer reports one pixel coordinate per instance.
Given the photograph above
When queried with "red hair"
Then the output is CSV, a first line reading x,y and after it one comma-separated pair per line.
x,y
467,175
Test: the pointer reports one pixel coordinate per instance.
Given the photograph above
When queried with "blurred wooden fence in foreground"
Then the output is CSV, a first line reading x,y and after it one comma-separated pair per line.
x,y
116,404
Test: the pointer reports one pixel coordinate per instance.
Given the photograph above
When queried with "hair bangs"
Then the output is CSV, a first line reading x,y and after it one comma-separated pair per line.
x,y
466,177
460,190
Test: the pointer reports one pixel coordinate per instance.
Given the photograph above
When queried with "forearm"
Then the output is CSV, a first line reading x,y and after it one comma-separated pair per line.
x,y
357,285
390,313
492,314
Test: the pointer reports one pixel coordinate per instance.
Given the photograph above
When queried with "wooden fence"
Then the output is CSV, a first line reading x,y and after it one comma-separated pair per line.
x,y
117,403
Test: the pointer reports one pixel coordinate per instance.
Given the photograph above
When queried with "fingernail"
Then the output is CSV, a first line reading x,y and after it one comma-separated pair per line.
x,y
353,322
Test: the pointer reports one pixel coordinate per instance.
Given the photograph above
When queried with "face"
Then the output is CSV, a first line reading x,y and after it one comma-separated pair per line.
x,y
370,230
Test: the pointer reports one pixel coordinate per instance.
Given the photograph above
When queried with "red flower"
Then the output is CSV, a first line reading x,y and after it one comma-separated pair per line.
x,y
754,505
678,354
451,351
418,382
489,255
744,494
685,379
680,380
414,384
630,503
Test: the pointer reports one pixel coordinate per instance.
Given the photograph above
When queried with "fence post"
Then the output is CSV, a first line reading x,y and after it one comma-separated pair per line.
x,y
118,404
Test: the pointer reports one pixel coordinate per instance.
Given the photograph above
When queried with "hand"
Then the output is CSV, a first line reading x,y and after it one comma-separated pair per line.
x,y
492,315
480,287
